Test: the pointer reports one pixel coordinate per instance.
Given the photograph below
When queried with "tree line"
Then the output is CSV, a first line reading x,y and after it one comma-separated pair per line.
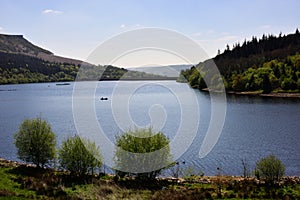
x,y
20,68
36,143
270,64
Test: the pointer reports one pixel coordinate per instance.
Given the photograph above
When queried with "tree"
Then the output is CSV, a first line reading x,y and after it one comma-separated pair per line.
x,y
79,155
266,84
143,142
270,168
35,142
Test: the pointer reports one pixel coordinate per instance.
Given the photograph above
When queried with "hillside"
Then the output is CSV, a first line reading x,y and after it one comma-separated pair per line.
x,y
269,64
18,44
24,62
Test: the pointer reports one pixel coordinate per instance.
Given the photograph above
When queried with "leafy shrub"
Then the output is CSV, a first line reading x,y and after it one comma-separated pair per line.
x,y
35,142
79,155
270,168
142,141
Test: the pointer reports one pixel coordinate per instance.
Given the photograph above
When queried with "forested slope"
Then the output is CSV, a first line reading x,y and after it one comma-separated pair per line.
x,y
269,64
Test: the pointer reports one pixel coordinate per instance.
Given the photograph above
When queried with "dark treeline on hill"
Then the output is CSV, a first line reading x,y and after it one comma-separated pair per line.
x,y
268,64
19,68
23,62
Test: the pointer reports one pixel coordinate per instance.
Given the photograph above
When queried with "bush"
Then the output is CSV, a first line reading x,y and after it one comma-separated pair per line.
x,y
270,168
142,141
79,155
35,142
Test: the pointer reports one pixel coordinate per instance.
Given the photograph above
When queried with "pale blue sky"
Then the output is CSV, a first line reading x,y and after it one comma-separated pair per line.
x,y
74,28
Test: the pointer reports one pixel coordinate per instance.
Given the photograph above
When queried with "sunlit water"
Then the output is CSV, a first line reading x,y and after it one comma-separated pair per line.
x,y
254,127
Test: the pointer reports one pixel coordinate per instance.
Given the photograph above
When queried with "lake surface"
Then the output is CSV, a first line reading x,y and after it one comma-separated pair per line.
x,y
254,126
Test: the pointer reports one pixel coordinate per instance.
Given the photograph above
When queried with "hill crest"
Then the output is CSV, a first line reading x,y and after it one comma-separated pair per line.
x,y
17,44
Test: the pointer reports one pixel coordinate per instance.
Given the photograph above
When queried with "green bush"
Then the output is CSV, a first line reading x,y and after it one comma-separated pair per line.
x,y
79,155
270,168
142,141
35,142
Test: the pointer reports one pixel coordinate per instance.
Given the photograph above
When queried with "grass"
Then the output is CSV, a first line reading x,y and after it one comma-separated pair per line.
x,y
10,188
23,182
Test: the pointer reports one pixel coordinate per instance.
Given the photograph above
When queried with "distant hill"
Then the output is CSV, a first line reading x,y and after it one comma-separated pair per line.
x,y
23,62
268,64
17,44
168,70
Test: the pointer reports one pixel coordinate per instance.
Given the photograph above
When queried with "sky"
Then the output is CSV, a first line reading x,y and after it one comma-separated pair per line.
x,y
74,28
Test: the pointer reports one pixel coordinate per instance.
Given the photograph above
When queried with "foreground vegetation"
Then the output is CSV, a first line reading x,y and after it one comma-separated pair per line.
x,y
139,143
79,175
21,181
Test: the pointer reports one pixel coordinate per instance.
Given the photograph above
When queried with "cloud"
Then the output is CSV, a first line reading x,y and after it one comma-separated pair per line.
x,y
1,29
204,33
197,34
51,12
133,26
227,38
266,27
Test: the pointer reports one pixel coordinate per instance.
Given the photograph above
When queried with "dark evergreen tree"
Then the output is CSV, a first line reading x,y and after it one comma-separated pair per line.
x,y
266,85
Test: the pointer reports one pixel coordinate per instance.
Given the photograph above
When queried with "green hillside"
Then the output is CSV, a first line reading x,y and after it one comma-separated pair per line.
x,y
23,62
269,64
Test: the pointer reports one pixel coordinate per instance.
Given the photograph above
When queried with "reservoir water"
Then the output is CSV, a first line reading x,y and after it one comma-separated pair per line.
x,y
254,126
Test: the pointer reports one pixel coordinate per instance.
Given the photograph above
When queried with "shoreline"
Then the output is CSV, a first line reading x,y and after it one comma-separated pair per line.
x,y
26,181
295,95
291,95
203,179
271,95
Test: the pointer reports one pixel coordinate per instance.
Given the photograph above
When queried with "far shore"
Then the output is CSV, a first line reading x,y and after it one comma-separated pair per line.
x,y
277,95
295,95
272,94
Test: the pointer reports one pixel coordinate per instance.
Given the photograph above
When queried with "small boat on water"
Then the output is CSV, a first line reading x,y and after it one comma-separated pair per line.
x,y
60,84
103,98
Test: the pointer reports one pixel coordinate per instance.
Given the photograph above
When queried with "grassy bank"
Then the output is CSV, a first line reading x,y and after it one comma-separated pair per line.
x,y
21,181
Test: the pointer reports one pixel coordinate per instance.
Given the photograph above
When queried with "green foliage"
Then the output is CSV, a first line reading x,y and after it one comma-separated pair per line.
x,y
19,181
190,173
269,168
18,68
79,155
271,63
35,142
11,189
273,75
142,141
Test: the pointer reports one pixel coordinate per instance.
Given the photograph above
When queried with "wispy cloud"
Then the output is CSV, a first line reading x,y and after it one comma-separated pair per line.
x,y
197,34
265,27
203,33
1,29
216,37
227,38
133,26
52,12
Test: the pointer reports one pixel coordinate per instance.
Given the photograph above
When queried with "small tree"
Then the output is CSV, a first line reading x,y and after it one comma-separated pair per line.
x,y
142,142
35,142
270,168
79,155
